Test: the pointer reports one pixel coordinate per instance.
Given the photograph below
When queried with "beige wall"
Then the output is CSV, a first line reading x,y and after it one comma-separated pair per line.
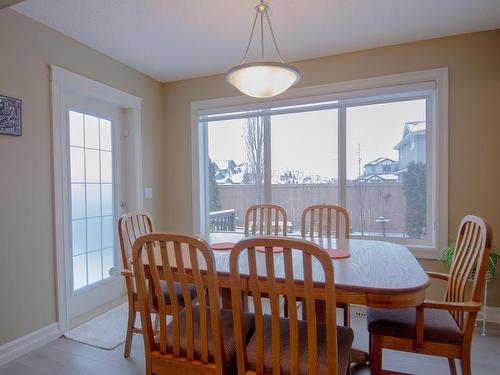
x,y
474,119
27,293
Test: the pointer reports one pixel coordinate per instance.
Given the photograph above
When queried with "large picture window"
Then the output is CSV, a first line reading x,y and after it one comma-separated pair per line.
x,y
372,154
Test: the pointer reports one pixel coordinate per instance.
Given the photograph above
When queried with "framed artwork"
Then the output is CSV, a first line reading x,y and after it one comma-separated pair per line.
x,y
10,115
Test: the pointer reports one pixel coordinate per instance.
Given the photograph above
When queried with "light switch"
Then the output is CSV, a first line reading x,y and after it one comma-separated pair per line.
x,y
148,193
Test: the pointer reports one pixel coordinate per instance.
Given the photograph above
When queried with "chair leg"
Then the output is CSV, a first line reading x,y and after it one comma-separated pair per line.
x,y
347,315
156,325
453,367
370,337
349,367
465,364
376,354
130,332
148,366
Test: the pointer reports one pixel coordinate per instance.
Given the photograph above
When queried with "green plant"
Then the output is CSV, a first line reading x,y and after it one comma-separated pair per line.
x,y
449,252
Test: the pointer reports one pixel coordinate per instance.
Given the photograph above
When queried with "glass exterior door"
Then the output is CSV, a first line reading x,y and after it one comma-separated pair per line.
x,y
92,199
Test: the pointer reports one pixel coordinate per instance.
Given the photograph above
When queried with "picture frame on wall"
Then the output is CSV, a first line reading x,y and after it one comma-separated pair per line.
x,y
10,116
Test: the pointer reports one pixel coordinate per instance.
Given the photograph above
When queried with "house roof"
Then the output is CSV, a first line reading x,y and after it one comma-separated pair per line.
x,y
225,164
385,177
414,126
378,161
410,130
237,178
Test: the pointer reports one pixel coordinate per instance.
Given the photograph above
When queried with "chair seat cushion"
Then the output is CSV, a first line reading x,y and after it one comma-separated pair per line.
x,y
439,325
227,334
166,294
178,292
345,337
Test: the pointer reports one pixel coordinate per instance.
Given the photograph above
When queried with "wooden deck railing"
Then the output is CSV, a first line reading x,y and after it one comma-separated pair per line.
x,y
222,221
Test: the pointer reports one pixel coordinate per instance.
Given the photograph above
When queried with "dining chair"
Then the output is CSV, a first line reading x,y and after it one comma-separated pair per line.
x,y
325,220
264,219
439,328
287,345
199,339
131,226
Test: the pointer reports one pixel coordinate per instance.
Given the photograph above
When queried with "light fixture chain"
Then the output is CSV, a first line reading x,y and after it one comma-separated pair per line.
x,y
262,35
250,40
274,38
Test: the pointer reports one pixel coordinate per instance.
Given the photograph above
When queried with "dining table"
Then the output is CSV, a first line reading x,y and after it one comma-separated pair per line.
x,y
371,273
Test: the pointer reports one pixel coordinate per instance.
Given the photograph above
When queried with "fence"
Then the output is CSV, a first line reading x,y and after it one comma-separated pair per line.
x,y
366,203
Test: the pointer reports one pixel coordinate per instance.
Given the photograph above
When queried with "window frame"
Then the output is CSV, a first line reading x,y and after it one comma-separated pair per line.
x,y
428,84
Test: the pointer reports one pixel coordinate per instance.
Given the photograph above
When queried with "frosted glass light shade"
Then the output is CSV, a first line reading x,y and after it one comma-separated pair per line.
x,y
263,79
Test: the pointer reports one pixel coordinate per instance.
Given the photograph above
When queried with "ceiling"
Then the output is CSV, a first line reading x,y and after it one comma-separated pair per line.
x,y
178,39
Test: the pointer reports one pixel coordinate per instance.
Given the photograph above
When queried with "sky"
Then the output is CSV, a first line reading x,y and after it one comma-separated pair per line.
x,y
308,141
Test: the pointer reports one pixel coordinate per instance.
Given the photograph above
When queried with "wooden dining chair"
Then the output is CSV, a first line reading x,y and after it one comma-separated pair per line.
x,y
200,338
287,345
439,328
131,226
325,220
264,219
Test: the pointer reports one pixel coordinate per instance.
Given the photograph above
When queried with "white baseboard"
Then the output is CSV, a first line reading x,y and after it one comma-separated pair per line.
x,y
25,344
492,315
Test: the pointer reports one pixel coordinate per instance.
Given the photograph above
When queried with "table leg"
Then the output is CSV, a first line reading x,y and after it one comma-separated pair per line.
x,y
359,356
225,294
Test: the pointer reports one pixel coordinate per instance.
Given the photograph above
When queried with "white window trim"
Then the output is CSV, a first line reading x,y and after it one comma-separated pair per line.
x,y
64,82
362,87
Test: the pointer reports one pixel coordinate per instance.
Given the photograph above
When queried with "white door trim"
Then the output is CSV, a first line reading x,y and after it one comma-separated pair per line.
x,y
64,82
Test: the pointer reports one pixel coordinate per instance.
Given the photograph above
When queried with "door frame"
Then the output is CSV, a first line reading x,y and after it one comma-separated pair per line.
x,y
64,82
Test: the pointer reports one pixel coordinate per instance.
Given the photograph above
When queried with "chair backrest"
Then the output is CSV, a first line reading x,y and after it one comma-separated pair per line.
x,y
187,260
264,219
325,220
472,250
131,226
273,275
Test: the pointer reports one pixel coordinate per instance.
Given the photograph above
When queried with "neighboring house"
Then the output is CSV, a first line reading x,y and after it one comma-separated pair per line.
x,y
228,167
290,177
379,170
228,172
412,146
380,166
239,178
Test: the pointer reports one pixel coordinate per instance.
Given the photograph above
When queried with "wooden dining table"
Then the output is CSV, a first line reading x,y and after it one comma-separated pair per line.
x,y
375,273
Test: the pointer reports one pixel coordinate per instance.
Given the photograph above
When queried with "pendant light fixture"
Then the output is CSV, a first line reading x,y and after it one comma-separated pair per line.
x,y
263,79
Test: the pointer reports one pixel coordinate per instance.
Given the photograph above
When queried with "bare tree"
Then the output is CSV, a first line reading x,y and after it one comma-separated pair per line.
x,y
361,193
254,145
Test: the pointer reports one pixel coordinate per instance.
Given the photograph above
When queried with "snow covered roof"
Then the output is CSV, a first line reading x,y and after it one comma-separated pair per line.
x,y
388,176
378,161
226,164
237,178
411,129
415,126
383,177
